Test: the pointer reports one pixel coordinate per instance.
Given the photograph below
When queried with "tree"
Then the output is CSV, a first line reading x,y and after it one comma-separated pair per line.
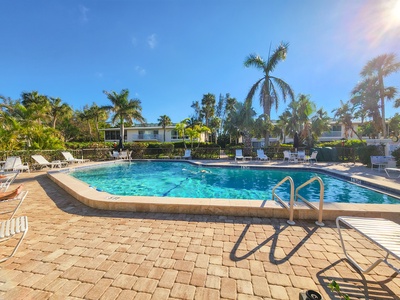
x,y
378,68
320,123
181,128
242,122
164,121
124,109
344,115
98,114
58,109
270,86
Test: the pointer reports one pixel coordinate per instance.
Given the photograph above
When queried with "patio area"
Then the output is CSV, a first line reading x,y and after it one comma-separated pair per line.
x,y
76,252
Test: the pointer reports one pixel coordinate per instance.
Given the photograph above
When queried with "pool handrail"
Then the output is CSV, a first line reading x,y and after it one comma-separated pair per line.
x,y
290,207
321,197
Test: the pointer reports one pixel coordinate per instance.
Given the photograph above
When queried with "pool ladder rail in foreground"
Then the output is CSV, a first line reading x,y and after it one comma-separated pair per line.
x,y
294,196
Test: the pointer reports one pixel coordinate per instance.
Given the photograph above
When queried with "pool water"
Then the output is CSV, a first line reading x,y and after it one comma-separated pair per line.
x,y
176,179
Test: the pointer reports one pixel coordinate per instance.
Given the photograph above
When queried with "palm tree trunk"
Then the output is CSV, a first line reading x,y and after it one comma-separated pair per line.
x,y
382,96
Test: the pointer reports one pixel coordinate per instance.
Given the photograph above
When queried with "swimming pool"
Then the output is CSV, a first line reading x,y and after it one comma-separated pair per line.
x,y
181,179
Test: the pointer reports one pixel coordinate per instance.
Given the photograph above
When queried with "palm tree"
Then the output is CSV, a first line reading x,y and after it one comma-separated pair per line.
x,y
181,128
269,85
344,115
58,109
320,123
380,67
164,121
124,109
97,114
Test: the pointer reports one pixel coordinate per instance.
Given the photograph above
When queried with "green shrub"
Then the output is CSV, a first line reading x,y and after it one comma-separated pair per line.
x,y
365,153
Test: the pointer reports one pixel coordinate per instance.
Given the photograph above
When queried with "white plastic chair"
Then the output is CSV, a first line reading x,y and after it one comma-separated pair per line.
x,y
19,166
9,164
301,155
42,162
239,154
12,227
286,155
6,179
261,155
188,154
11,205
70,159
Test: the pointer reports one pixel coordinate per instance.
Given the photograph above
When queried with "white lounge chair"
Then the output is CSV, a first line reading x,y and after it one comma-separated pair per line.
x,y
43,163
124,155
9,164
384,233
19,166
6,179
239,154
70,159
392,172
261,155
11,205
188,154
12,227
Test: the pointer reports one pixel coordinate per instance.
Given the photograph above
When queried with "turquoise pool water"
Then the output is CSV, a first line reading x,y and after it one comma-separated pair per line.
x,y
179,179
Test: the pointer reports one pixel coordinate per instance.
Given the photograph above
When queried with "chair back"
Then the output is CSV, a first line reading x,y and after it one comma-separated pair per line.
x,y
239,152
40,159
188,153
260,153
301,154
67,156
314,155
286,154
9,164
17,162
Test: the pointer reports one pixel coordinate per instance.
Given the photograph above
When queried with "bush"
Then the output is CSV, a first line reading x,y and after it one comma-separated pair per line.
x,y
365,153
396,155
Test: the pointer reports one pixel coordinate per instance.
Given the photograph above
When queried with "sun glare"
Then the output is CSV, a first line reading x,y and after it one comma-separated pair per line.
x,y
396,11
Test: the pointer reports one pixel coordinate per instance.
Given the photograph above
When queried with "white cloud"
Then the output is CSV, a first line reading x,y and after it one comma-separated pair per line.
x,y
152,41
83,13
140,70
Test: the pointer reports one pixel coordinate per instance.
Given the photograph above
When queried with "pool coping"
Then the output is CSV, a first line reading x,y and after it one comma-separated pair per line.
x,y
251,208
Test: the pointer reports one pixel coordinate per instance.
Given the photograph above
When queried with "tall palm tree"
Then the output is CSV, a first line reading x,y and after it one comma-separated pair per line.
x,y
98,114
124,109
380,67
58,109
270,86
164,121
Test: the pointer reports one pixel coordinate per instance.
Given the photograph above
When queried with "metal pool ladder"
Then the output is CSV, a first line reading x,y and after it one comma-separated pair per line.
x,y
294,196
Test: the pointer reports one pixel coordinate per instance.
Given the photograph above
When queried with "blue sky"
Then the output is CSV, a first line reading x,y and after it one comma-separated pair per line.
x,y
169,53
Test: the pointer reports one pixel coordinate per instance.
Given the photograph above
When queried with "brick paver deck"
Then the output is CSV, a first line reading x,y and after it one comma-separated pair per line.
x,y
75,252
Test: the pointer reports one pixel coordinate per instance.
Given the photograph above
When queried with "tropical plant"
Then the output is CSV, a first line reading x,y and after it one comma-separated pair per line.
x,y
124,109
377,69
164,121
320,123
344,115
57,110
181,129
270,86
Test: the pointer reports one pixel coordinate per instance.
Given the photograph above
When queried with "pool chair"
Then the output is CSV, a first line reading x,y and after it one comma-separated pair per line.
x,y
301,155
261,155
19,166
124,155
188,154
41,162
313,157
70,159
6,179
10,206
286,155
383,233
8,164
11,228
239,154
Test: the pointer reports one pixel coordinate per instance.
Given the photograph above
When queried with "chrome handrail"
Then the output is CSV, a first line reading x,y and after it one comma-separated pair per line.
x,y
291,210
321,197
